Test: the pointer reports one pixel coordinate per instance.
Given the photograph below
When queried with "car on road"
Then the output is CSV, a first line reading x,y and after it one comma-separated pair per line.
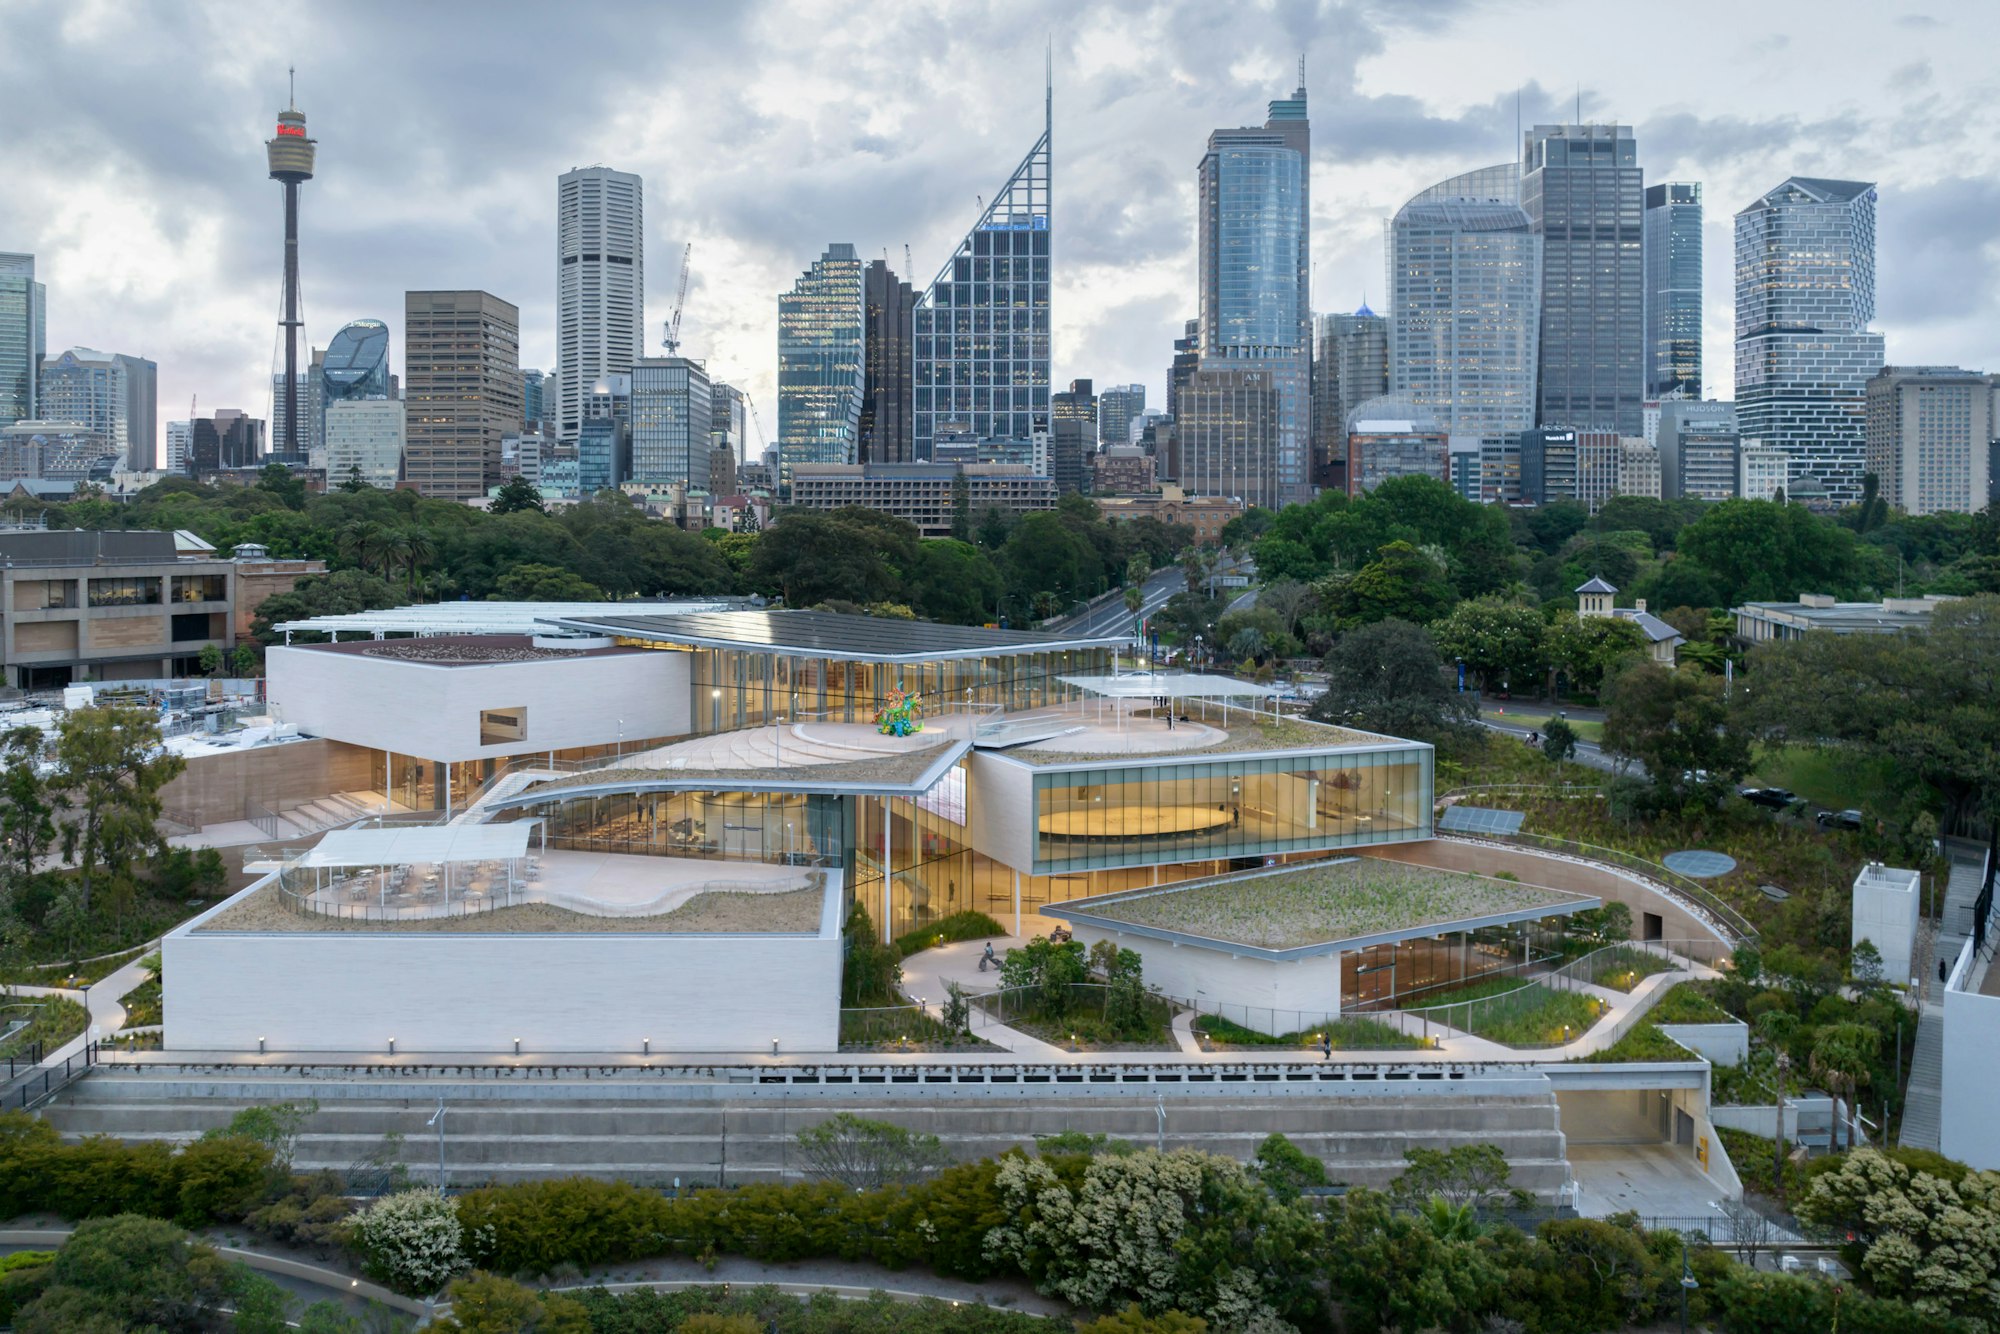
x,y
1775,798
1847,819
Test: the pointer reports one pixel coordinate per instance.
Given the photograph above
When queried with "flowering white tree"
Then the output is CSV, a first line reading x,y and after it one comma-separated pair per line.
x,y
411,1240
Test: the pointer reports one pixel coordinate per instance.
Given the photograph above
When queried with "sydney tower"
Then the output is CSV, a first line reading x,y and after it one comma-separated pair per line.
x,y
290,154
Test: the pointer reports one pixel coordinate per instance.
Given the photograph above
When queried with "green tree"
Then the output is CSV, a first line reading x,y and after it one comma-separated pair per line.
x,y
281,482
1464,1176
1678,725
1387,678
1132,1320
955,582
545,583
961,507
353,481
110,769
334,594
515,495
1922,1238
1285,1168
245,661
867,1155
1586,649
1401,583
27,808
1390,1270
846,555
1558,741
1500,642
873,966
126,1273
1764,550
483,1303
1842,1055
210,659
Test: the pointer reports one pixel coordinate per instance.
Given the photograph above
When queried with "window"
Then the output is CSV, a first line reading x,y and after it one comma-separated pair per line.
x,y
201,588
133,592
499,726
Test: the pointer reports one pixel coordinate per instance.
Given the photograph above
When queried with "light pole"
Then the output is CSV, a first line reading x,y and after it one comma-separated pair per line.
x,y
437,1119
1688,1285
1160,1140
1779,1066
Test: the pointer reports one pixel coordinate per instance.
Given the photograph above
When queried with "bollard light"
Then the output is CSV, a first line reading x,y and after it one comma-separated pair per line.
x,y
392,1046
774,1046
517,1046
260,1046
646,1046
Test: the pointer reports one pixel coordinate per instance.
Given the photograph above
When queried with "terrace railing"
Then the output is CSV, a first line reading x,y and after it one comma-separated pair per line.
x,y
363,910
1692,894
1564,790
1601,968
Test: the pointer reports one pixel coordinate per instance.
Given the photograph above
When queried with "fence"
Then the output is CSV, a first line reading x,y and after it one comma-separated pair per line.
x,y
1070,1001
364,911
1631,961
897,1023
1519,790
1702,900
36,1082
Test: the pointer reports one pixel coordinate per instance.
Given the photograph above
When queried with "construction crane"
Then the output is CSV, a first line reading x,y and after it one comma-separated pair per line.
x,y
673,340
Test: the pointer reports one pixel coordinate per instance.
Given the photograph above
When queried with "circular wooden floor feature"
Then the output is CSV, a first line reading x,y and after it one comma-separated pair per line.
x,y
1133,821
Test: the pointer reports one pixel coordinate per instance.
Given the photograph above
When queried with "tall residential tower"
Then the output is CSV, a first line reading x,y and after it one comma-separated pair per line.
x,y
600,284
462,389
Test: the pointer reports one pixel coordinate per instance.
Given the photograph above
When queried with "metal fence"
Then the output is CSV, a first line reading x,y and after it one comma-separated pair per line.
x,y
34,1083
1565,790
364,911
1699,899
1580,974
891,1023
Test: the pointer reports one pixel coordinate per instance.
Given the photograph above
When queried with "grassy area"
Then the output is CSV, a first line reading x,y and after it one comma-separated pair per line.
x,y
1644,1042
944,931
1623,967
901,1028
1687,1003
1755,1160
1349,1033
52,1021
1514,715
1082,1024
142,1004
1829,779
1504,1010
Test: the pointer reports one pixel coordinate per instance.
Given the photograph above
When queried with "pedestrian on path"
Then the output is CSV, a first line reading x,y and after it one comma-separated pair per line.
x,y
1326,1046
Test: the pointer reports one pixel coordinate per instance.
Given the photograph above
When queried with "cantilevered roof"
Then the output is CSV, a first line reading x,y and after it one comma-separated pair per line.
x,y
826,634
423,843
482,618
1171,685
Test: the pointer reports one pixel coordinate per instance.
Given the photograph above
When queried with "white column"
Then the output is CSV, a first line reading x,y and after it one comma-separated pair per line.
x,y
1336,984
447,791
888,878
1017,904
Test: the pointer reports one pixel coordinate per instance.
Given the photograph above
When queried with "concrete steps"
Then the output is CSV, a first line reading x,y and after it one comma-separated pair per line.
x,y
1924,1098
654,1134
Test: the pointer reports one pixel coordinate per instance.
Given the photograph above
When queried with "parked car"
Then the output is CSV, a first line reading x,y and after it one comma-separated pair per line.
x,y
1847,819
1776,798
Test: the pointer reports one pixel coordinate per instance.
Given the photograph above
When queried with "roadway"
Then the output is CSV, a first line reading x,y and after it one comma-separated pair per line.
x,y
1587,752
1110,617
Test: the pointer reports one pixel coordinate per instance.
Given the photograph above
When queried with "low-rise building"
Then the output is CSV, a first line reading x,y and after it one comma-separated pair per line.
x,y
1762,472
921,492
1122,470
1761,622
1597,598
1206,515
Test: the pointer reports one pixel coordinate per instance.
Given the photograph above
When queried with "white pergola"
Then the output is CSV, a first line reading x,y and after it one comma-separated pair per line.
x,y
1123,687
483,618
439,846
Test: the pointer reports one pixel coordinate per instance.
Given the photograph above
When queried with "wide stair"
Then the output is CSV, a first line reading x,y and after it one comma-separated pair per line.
x,y
1923,1099
654,1132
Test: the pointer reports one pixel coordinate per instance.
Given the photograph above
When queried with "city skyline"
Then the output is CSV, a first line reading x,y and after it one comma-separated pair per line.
x,y
166,249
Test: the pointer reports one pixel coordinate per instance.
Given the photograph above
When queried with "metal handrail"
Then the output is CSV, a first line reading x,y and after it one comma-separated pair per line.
x,y
1571,976
1515,789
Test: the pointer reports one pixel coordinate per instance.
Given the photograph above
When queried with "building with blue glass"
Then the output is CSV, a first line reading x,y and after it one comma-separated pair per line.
x,y
1672,247
670,421
822,361
23,337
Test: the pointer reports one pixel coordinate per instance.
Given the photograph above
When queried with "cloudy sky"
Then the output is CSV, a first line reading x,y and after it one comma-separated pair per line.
x,y
131,150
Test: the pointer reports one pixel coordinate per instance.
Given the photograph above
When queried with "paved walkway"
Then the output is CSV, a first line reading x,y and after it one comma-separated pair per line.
x,y
107,1013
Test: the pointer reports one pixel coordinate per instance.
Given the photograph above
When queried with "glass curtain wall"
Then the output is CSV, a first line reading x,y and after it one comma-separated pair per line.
x,y
1413,972
1244,808
789,828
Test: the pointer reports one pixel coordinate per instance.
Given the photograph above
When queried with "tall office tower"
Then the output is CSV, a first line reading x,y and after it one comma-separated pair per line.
x,y
1672,248
115,396
603,455
1227,432
1350,366
671,408
1805,292
1394,436
1581,188
980,332
289,155
531,398
1118,406
364,441
23,337
311,398
886,430
1699,446
822,355
1072,437
462,388
1187,360
1929,429
179,436
600,283
727,420
1254,210
229,439
1465,305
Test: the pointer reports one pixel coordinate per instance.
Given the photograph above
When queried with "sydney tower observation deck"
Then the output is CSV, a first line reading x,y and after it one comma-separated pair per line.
x,y
290,154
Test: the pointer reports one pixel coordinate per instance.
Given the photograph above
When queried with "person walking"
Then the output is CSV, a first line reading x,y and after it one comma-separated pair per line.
x,y
1326,1046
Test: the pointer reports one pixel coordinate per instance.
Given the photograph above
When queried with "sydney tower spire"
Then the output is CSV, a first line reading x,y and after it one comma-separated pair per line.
x,y
290,154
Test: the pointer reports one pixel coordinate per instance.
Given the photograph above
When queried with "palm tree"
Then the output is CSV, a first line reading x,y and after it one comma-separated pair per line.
x,y
1841,1056
1447,1221
418,549
393,549
361,543
1246,644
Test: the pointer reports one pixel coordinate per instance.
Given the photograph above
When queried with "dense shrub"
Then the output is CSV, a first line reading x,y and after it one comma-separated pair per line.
x,y
959,926
209,1181
649,1310
412,1240
1756,1303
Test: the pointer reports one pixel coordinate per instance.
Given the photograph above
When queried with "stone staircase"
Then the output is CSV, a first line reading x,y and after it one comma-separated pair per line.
x,y
653,1131
1923,1099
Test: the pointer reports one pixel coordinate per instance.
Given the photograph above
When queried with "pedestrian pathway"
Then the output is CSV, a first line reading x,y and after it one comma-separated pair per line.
x,y
104,1002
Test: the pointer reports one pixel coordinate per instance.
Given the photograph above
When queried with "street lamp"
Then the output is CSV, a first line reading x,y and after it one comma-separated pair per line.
x,y
1688,1285
437,1119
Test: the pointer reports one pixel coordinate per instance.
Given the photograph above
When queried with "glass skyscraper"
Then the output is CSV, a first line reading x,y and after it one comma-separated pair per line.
x,y
115,396
600,284
1582,190
822,361
1805,292
981,330
670,416
1465,304
23,337
1672,236
1254,208
1350,366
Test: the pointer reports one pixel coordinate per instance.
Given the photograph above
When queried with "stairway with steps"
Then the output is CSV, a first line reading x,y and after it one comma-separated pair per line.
x,y
655,1131
1923,1099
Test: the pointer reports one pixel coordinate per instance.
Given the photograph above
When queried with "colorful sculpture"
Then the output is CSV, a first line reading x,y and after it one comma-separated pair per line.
x,y
900,715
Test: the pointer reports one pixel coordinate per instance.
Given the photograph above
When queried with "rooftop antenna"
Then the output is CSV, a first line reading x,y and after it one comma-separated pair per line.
x,y
1579,102
292,87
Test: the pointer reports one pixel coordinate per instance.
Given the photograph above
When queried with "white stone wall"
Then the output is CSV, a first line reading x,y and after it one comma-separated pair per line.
x,y
1267,996
1885,912
1971,1079
351,991
1000,810
432,711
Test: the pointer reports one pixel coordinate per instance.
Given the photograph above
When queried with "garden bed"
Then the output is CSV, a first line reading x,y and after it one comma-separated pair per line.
x,y
1349,1033
717,912
1329,901
1505,1010
903,1028
1079,1022
1624,967
52,1021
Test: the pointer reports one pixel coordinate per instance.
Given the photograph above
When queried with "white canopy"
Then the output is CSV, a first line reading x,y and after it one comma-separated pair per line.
x,y
1172,685
421,843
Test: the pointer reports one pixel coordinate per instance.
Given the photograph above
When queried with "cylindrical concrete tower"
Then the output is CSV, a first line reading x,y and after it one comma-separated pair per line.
x,y
290,154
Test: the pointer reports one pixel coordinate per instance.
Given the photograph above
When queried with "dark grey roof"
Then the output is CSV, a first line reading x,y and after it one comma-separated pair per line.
x,y
1596,585
83,546
1655,629
835,635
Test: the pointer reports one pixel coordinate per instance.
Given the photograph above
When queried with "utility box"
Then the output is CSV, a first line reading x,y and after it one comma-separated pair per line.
x,y
1885,913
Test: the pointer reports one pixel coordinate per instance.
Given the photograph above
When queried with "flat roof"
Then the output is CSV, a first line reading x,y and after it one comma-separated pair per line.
x,y
1844,616
458,650
1317,908
410,845
482,618
1168,685
827,634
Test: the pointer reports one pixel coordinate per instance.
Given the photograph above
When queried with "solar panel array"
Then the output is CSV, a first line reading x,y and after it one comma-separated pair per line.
x,y
1478,820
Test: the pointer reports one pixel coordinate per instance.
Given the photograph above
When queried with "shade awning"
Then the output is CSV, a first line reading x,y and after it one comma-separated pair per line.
x,y
422,843
1171,685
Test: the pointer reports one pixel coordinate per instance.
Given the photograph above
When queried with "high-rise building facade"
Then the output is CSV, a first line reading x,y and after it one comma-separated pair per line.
x,y
822,356
1226,433
980,332
888,434
1118,406
532,398
1699,443
23,337
179,436
600,283
1465,300
1582,191
1805,293
229,439
728,420
1930,429
1187,360
1072,437
462,387
364,440
1253,249
1350,366
670,414
115,396
1672,247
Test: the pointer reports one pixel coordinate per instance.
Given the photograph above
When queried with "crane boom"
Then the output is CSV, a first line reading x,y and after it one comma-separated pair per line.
x,y
673,339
